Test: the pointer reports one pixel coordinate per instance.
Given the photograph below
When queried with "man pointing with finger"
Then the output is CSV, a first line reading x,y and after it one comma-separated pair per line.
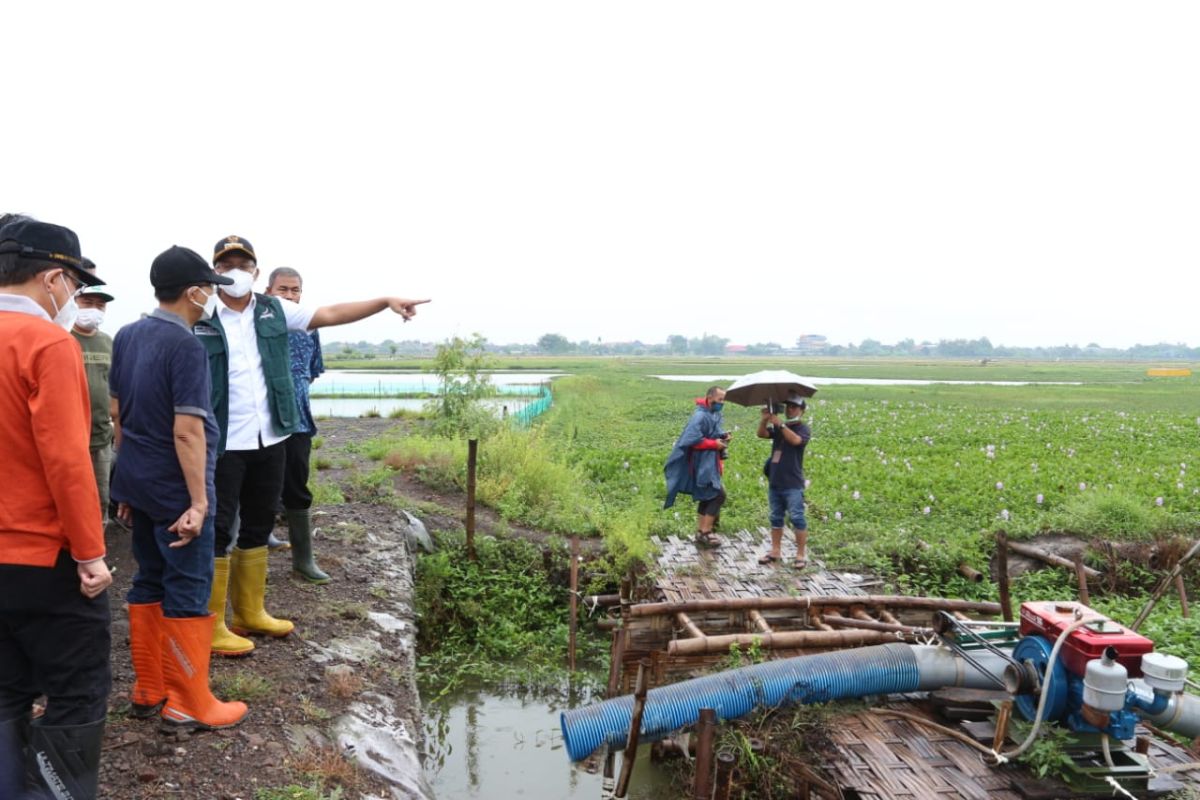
x,y
255,404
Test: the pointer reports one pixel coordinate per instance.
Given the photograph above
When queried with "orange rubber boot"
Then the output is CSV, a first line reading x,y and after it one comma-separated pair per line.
x,y
145,650
187,645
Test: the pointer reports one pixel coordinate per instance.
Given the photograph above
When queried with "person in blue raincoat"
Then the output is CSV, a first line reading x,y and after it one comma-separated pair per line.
x,y
695,464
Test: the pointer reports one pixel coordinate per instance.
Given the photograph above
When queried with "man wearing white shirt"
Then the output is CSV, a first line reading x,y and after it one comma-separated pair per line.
x,y
255,404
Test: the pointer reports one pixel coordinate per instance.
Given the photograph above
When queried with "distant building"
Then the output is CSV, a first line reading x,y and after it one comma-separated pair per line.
x,y
811,343
735,349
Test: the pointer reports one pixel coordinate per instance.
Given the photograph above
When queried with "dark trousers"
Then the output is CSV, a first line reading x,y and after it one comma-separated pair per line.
x,y
249,482
712,506
178,577
296,496
53,641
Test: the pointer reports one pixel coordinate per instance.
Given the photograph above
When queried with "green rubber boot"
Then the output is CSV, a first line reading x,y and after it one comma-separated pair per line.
x,y
300,534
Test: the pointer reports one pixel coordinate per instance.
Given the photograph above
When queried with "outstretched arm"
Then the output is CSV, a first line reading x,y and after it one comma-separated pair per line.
x,y
343,313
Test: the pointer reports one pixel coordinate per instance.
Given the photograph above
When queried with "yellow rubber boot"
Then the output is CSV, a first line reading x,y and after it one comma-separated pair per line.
x,y
248,594
224,641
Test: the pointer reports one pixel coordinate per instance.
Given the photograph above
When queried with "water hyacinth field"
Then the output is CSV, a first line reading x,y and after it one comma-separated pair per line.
x,y
895,468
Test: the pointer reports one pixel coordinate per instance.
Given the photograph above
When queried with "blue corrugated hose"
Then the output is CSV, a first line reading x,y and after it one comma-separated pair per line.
x,y
883,669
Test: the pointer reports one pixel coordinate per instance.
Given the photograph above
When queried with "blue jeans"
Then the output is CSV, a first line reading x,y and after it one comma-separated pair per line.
x,y
178,577
791,502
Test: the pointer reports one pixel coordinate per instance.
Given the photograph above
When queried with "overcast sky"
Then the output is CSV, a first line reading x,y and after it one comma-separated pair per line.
x,y
1026,171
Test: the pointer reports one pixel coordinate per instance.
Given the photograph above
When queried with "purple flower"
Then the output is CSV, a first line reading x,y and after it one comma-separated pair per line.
x,y
1082,486
1158,501
1039,499
999,485
837,515
1004,514
925,511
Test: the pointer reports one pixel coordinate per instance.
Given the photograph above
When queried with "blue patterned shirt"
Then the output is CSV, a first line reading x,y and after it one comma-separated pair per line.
x,y
307,365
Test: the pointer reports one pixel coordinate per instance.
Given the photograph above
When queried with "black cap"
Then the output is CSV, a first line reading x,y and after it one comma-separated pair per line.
x,y
179,267
44,241
233,244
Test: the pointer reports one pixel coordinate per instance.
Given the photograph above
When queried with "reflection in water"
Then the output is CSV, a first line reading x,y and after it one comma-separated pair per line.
x,y
480,744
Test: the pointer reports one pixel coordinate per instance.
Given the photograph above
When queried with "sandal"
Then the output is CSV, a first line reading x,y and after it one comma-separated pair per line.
x,y
799,563
767,558
708,540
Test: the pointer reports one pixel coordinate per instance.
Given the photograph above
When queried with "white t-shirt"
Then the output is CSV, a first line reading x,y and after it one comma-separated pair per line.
x,y
249,411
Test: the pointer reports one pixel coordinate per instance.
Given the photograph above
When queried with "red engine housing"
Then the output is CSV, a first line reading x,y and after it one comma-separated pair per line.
x,y
1049,619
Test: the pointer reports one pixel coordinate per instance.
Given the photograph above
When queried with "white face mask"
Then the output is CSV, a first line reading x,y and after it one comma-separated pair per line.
x,y
64,316
208,307
89,319
243,281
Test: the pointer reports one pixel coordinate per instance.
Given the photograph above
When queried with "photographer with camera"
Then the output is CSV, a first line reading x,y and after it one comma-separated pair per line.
x,y
785,475
695,464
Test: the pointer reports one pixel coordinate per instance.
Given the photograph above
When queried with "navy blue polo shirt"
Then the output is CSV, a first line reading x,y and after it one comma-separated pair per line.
x,y
787,460
159,369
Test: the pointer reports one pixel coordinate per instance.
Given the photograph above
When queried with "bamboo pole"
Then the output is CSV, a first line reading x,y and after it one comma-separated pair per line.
x,y
574,612
970,573
1048,558
472,450
869,624
1163,584
840,601
1183,598
635,728
761,623
818,622
686,623
706,735
887,616
781,641
724,776
1002,718
1081,576
1002,574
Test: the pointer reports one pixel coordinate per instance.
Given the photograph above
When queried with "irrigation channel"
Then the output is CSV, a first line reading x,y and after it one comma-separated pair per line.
x,y
356,393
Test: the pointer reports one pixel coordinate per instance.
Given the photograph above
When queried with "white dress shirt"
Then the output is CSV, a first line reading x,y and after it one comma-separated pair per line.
x,y
249,411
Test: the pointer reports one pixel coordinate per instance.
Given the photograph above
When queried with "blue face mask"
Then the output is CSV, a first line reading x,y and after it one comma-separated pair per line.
x,y
717,406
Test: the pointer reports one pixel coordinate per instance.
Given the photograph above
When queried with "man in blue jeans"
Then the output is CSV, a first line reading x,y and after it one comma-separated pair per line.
x,y
167,432
785,476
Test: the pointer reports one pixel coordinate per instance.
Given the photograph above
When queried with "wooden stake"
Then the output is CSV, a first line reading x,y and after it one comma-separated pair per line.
x,y
706,736
472,450
635,728
574,603
1183,600
1081,575
1002,568
1002,725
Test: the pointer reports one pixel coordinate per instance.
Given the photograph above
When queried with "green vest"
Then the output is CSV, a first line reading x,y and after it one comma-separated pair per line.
x,y
270,325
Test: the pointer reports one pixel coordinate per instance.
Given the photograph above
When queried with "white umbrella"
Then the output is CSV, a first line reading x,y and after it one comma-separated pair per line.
x,y
768,386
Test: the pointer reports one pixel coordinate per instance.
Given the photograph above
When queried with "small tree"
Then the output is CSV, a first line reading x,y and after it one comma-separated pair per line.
x,y
459,364
554,343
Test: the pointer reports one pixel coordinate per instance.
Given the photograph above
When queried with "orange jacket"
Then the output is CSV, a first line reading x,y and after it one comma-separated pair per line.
x,y
48,496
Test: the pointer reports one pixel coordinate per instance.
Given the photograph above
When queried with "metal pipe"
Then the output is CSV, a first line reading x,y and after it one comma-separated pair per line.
x,y
724,776
706,735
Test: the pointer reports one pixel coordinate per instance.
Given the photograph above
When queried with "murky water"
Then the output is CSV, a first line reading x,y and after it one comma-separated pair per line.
x,y
481,744
384,383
